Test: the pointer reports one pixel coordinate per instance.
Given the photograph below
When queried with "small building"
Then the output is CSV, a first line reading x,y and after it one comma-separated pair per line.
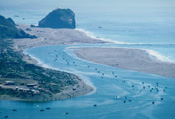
x,y
27,90
20,89
9,83
31,85
35,92
16,88
41,90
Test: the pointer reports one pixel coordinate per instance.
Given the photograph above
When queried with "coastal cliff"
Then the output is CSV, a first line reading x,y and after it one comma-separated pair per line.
x,y
8,29
22,79
59,18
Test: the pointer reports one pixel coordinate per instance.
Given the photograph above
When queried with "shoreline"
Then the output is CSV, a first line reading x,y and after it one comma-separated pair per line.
x,y
68,93
152,53
41,64
89,34
48,37
155,55
127,58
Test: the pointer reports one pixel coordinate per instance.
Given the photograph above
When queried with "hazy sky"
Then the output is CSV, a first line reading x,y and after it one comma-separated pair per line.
x,y
149,10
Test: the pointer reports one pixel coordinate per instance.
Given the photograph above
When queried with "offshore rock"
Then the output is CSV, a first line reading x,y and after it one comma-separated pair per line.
x,y
59,18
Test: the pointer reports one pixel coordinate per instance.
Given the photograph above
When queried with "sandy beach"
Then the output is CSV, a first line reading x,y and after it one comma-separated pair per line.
x,y
49,36
125,58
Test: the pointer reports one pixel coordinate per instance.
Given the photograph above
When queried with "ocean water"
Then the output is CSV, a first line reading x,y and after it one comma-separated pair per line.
x,y
142,24
146,22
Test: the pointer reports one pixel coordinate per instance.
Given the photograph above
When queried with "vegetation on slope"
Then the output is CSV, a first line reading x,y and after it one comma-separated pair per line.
x,y
13,68
8,29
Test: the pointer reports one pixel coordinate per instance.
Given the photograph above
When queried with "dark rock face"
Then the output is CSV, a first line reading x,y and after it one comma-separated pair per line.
x,y
8,29
59,18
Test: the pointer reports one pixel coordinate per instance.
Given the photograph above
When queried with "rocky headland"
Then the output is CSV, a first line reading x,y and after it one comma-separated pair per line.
x,y
59,18
8,29
21,78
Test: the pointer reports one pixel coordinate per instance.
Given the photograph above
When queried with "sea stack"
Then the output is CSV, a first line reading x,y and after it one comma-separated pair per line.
x,y
59,18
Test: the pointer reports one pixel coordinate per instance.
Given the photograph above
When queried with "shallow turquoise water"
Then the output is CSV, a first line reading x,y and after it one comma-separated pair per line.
x,y
106,89
146,22
143,24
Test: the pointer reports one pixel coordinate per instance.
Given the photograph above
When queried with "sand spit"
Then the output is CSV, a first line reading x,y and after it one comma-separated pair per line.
x,y
125,58
49,36
132,59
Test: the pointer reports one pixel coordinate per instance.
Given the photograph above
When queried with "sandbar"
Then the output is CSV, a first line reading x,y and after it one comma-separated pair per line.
x,y
127,58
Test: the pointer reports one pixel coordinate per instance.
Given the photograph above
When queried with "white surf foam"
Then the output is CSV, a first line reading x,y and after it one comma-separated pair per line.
x,y
39,62
90,34
158,56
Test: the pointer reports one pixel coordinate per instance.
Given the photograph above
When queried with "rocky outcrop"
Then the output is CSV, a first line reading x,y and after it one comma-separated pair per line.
x,y
59,18
8,29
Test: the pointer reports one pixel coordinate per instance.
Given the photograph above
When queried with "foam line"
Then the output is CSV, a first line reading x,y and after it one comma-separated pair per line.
x,y
103,39
158,56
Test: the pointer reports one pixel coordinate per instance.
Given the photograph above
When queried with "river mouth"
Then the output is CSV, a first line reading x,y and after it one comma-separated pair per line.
x,y
146,24
119,93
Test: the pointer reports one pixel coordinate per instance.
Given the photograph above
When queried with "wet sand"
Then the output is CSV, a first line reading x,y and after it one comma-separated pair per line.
x,y
125,58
